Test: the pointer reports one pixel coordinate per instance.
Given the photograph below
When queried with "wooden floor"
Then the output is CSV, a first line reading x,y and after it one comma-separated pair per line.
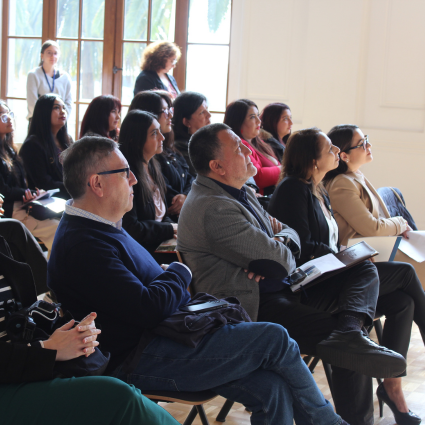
x,y
413,387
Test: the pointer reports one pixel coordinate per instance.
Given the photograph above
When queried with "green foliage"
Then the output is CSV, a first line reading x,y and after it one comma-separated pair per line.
x,y
136,19
217,10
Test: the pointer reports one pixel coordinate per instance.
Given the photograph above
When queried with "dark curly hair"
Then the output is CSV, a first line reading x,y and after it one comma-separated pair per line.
x,y
156,54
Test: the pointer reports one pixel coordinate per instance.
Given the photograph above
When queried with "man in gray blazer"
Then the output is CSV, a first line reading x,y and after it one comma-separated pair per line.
x,y
231,245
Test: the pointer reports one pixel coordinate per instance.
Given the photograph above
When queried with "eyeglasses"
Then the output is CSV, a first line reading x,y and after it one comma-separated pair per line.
x,y
168,112
121,170
362,145
4,117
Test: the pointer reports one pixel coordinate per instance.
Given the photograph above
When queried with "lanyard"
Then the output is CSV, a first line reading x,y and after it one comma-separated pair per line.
x,y
45,76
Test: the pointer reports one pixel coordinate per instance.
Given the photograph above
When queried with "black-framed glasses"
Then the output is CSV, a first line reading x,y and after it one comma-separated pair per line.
x,y
121,170
363,144
4,117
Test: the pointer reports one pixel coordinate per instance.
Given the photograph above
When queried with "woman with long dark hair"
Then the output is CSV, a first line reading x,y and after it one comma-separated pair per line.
x,y
243,118
47,138
178,180
190,114
140,140
276,125
301,201
102,117
13,183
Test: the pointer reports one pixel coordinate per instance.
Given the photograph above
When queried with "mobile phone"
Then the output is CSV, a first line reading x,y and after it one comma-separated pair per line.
x,y
208,306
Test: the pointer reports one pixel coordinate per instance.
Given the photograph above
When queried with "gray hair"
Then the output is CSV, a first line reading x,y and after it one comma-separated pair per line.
x,y
83,158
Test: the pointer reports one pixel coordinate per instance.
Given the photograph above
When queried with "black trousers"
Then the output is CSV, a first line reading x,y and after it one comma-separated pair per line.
x,y
310,320
26,250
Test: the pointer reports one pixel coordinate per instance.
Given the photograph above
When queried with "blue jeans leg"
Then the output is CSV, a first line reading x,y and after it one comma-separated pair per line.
x,y
256,364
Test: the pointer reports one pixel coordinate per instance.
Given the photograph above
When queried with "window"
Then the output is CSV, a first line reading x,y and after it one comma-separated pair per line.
x,y
102,51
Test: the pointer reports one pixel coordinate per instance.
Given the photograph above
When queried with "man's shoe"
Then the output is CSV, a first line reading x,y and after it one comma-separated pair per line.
x,y
354,351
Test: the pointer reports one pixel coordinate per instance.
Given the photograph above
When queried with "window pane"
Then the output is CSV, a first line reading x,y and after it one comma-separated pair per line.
x,y
217,118
209,21
163,20
68,16
199,76
24,55
93,19
81,111
131,60
91,70
136,19
68,62
19,107
25,17
124,112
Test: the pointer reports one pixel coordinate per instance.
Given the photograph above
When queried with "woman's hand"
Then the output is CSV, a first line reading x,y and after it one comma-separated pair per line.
x,y
405,233
1,204
74,342
176,204
175,230
29,196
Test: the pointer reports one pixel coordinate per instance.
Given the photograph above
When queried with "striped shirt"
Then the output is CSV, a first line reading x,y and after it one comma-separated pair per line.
x,y
71,210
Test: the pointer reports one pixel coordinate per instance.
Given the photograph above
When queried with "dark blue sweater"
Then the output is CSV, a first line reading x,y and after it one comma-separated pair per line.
x,y
96,267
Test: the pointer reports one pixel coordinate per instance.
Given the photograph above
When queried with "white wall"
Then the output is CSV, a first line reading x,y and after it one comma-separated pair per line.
x,y
342,61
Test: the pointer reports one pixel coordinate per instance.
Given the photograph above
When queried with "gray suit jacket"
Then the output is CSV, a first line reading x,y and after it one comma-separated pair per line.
x,y
219,238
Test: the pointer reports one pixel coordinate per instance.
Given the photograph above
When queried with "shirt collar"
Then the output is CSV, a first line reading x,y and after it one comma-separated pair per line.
x,y
233,191
71,210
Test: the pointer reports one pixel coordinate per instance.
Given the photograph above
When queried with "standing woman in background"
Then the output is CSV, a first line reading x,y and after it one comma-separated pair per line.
x,y
102,118
47,138
178,180
190,114
47,78
158,60
276,125
243,118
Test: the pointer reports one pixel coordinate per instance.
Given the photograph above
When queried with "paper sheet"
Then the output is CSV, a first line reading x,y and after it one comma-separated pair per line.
x,y
327,263
414,247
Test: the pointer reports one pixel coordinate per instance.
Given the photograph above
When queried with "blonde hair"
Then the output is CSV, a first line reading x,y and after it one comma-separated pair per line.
x,y
156,54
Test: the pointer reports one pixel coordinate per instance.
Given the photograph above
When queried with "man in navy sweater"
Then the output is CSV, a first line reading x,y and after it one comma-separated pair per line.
x,y
96,266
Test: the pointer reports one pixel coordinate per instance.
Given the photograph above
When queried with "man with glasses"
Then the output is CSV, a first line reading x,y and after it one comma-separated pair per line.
x,y
96,266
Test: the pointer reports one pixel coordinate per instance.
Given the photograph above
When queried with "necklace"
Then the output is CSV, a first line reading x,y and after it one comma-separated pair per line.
x,y
45,76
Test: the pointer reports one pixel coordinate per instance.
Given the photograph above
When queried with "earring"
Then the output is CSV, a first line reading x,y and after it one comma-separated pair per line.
x,y
315,167
346,160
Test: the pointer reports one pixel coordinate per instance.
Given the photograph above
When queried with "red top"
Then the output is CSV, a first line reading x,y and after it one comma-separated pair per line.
x,y
267,172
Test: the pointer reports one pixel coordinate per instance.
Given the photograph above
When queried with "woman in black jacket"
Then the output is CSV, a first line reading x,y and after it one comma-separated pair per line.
x,y
47,138
178,180
301,202
13,183
140,140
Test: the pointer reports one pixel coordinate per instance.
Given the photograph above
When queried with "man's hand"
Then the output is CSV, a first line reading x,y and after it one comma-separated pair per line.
x,y
252,275
175,230
276,225
176,204
74,342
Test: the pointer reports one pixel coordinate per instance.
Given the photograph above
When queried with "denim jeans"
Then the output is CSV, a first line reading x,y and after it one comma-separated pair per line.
x,y
256,364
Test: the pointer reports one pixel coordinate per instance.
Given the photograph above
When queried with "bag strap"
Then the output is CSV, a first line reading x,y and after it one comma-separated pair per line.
x,y
398,197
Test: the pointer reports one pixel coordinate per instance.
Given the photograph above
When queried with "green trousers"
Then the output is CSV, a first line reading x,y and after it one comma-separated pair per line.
x,y
91,400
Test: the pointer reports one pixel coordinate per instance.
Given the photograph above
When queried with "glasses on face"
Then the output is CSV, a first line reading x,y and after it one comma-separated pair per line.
x,y
168,112
363,144
4,117
121,170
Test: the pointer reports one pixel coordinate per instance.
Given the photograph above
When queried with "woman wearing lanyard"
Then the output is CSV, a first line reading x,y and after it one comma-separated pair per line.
x,y
46,78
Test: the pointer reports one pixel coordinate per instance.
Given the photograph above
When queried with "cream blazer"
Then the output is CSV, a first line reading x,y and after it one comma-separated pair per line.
x,y
356,209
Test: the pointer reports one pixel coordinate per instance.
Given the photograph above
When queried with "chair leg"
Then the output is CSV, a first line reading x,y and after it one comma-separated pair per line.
x,y
328,372
202,415
314,364
378,329
191,416
307,359
221,417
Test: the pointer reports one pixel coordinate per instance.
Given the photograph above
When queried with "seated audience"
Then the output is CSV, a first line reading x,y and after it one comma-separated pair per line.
x,y
47,78
243,118
256,364
358,209
27,385
224,232
147,221
102,117
276,124
190,114
47,138
301,201
158,60
175,170
13,184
